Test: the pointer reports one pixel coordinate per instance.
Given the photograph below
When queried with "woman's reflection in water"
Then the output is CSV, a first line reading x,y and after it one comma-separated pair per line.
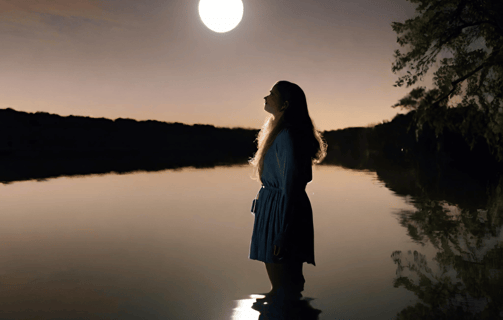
x,y
291,310
274,309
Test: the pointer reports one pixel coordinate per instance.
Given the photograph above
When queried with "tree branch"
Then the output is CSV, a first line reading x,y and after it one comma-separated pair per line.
x,y
458,30
495,20
455,83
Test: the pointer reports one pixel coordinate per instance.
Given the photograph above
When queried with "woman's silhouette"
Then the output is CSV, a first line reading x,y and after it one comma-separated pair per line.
x,y
283,233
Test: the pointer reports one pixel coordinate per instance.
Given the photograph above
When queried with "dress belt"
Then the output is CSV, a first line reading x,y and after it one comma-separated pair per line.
x,y
272,188
254,202
264,187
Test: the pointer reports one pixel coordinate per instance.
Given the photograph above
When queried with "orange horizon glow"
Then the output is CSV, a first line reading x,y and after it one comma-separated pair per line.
x,y
158,61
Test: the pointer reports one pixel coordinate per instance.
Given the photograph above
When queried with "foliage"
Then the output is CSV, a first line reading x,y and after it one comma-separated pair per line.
x,y
464,280
455,25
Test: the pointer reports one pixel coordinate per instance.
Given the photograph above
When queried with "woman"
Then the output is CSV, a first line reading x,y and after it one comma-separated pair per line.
x,y
283,233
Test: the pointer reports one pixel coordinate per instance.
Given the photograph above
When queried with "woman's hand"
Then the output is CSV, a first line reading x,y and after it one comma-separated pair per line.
x,y
279,254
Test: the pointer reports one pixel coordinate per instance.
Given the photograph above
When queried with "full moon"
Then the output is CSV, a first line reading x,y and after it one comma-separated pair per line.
x,y
221,15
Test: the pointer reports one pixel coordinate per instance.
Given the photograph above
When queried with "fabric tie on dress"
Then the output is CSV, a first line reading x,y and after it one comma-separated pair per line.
x,y
255,200
272,188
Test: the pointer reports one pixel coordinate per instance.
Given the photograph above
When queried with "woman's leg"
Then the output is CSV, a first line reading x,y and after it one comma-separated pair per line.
x,y
292,283
286,275
295,276
274,271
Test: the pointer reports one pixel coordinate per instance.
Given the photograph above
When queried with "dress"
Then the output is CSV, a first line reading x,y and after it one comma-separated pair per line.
x,y
283,214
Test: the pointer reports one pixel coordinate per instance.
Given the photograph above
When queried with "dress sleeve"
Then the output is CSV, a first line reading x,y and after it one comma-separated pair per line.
x,y
293,182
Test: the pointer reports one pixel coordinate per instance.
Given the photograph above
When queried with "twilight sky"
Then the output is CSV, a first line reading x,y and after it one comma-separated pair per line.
x,y
156,59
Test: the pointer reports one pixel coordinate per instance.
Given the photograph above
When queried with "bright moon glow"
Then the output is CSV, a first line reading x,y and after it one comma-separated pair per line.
x,y
221,15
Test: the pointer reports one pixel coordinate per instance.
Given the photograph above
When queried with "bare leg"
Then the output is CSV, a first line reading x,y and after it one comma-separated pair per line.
x,y
294,277
274,271
287,277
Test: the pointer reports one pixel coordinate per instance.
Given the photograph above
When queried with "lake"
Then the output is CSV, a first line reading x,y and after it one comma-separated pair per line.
x,y
174,244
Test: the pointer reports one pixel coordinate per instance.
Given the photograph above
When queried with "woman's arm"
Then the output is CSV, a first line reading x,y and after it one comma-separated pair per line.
x,y
293,182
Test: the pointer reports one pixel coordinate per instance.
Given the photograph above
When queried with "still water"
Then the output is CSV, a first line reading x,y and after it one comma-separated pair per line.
x,y
174,245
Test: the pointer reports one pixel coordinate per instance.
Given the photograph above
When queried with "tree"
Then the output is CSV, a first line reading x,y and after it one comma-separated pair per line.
x,y
455,25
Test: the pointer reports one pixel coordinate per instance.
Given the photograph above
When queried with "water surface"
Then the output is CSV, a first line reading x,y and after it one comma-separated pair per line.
x,y
174,245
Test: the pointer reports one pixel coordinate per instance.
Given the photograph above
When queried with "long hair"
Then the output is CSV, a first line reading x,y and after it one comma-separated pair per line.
x,y
296,117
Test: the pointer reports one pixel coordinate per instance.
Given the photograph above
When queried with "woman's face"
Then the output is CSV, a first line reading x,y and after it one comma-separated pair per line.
x,y
273,101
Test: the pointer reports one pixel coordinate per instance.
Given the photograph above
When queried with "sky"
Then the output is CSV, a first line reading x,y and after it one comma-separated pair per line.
x,y
157,60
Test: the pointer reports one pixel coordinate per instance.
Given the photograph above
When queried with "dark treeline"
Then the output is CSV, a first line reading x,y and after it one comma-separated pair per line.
x,y
44,134
41,145
394,144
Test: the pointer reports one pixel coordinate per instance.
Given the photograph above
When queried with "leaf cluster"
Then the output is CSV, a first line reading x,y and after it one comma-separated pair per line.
x,y
454,26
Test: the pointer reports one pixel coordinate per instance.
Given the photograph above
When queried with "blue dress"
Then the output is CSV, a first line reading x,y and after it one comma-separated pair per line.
x,y
283,214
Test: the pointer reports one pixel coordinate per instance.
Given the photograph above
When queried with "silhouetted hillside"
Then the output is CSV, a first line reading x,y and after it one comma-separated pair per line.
x,y
41,145
44,134
394,144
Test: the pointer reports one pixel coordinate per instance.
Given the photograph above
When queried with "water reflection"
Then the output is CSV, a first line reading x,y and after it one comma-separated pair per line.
x,y
252,309
464,280
458,211
140,246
